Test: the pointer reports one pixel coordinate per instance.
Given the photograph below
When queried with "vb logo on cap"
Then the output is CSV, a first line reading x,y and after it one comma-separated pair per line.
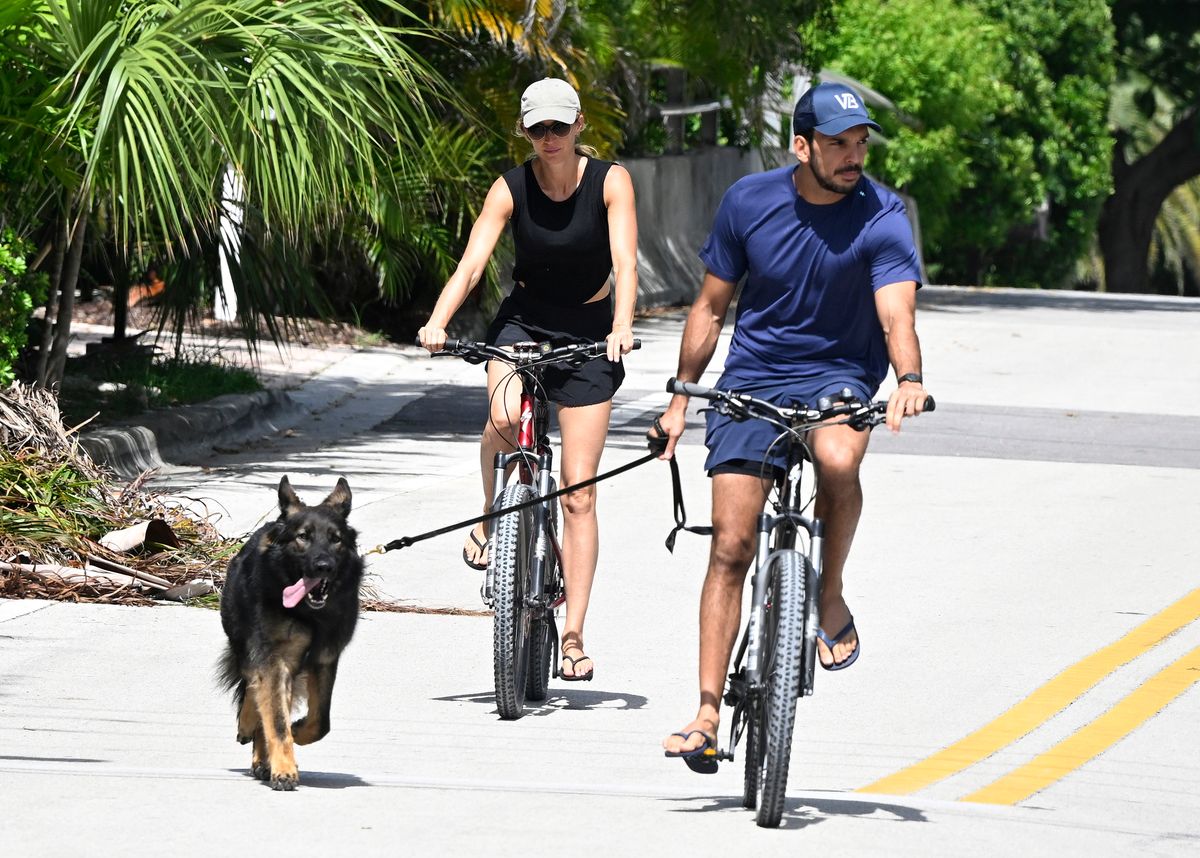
x,y
830,108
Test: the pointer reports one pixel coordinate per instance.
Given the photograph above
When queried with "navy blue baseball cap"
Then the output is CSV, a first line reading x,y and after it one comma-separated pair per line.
x,y
830,108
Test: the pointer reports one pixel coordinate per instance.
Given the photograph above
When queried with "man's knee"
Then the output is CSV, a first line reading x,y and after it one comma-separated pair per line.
x,y
731,553
839,463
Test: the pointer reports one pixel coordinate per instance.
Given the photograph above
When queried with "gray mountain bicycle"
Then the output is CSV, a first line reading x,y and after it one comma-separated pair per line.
x,y
776,659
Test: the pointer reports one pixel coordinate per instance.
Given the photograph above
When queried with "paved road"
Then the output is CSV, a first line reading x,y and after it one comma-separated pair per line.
x,y
1024,580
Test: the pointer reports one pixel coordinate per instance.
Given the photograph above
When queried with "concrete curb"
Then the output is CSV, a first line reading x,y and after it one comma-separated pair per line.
x,y
175,436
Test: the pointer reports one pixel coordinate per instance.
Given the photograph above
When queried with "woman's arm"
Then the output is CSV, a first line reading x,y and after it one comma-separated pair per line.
x,y
497,209
622,238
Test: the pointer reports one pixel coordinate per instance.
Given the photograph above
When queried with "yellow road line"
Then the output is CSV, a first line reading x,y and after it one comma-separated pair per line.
x,y
1043,704
1096,738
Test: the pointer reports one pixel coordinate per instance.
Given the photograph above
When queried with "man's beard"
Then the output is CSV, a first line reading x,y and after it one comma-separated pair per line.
x,y
828,184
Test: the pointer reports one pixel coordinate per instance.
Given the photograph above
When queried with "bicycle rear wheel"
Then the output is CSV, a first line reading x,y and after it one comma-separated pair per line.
x,y
753,753
541,643
511,555
784,631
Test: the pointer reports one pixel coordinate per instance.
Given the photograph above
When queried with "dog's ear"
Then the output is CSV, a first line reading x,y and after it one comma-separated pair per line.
x,y
269,535
339,498
288,501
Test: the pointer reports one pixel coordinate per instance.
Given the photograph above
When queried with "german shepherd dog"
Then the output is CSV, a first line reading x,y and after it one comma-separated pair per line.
x,y
289,608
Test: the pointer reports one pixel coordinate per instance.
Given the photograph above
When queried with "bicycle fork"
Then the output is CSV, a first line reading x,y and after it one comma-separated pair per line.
x,y
768,525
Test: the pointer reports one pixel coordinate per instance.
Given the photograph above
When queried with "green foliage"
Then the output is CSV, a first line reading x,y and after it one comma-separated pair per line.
x,y
148,105
135,383
1157,43
1009,99
20,291
731,50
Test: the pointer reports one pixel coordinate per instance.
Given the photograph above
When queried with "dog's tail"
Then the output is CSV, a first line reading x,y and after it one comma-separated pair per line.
x,y
229,676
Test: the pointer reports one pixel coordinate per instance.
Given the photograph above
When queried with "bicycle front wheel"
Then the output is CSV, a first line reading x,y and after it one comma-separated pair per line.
x,y
783,628
510,556
541,643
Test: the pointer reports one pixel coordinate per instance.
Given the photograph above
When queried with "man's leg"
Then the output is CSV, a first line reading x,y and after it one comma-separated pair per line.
x,y
737,501
838,452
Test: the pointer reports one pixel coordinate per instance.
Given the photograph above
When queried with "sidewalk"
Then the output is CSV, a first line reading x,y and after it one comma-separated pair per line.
x,y
162,438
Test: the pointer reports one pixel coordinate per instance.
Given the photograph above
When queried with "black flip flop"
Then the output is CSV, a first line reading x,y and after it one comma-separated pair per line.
x,y
482,547
587,677
701,760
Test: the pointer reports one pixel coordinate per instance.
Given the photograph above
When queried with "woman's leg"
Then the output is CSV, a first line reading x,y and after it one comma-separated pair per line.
x,y
499,435
584,429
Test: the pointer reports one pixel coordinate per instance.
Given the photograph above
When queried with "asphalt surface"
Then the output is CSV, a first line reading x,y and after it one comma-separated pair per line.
x,y
1024,579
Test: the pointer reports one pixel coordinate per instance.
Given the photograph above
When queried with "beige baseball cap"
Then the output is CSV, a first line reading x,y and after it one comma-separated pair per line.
x,y
549,98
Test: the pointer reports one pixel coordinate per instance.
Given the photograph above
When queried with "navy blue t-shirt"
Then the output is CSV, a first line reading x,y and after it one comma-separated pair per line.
x,y
807,310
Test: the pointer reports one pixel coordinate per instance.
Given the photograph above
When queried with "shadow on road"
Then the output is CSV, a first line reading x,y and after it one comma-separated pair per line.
x,y
803,812
318,780
560,699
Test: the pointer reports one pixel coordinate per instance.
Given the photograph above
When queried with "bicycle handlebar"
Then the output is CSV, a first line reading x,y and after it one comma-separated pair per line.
x,y
741,406
525,354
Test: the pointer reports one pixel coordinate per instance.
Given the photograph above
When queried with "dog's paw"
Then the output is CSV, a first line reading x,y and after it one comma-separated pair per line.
x,y
262,771
306,731
285,782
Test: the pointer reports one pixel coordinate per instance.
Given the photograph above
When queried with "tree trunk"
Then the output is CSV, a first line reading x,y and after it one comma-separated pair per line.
x,y
120,274
61,240
66,303
1139,190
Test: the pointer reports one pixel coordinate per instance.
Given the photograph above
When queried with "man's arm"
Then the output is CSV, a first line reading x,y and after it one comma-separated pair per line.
x,y
700,334
896,304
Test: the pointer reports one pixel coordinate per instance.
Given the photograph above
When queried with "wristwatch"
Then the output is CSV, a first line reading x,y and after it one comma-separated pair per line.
x,y
910,376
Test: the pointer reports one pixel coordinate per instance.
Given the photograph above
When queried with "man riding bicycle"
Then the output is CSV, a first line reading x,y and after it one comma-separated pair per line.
x,y
829,300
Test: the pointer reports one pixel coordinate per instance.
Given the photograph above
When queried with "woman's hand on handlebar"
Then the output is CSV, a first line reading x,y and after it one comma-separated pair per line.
x,y
432,338
620,342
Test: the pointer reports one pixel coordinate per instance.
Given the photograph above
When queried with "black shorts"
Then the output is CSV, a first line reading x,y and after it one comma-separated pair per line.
x,y
749,467
520,320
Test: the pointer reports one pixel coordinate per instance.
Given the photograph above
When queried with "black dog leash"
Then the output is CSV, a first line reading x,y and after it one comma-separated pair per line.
x,y
677,491
657,445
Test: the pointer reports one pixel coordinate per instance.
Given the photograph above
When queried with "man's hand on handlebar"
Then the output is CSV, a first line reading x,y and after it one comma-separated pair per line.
x,y
907,400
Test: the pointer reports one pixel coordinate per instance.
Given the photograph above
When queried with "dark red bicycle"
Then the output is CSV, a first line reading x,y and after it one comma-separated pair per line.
x,y
524,581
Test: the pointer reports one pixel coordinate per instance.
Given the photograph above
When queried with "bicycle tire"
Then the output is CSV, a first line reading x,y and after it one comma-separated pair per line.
x,y
541,647
511,554
753,753
784,627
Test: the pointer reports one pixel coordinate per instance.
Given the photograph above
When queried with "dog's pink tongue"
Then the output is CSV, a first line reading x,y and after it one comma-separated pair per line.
x,y
293,594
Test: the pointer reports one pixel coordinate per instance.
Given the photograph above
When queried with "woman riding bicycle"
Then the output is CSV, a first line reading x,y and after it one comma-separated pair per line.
x,y
575,279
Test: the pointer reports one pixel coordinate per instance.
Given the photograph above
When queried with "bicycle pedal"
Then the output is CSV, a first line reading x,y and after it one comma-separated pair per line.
x,y
722,756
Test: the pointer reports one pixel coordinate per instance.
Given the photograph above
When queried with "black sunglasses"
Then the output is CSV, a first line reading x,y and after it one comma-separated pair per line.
x,y
558,129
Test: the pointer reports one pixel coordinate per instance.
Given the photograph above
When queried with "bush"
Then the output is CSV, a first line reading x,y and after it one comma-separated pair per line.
x,y
20,292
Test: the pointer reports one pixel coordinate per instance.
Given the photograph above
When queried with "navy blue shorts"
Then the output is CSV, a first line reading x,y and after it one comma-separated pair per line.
x,y
741,447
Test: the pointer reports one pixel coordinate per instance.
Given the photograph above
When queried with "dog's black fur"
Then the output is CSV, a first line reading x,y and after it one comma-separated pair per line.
x,y
307,557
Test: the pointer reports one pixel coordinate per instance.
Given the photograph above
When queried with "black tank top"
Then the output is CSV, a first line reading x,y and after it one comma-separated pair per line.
x,y
563,254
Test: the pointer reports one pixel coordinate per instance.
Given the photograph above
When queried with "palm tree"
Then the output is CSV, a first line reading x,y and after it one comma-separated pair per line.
x,y
152,102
